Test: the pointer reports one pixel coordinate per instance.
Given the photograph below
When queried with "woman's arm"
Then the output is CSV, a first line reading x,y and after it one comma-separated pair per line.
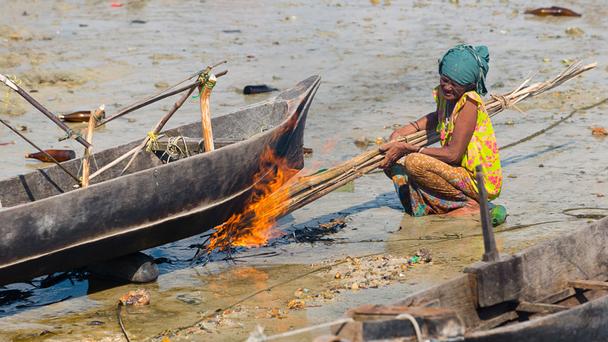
x,y
394,150
427,122
464,126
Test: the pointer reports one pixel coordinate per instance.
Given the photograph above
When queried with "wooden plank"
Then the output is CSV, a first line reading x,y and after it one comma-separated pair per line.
x,y
586,322
496,321
552,264
589,284
499,281
456,294
558,296
541,308
380,322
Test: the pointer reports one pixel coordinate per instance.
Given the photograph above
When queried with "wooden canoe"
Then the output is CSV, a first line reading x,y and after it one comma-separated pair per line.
x,y
47,225
555,291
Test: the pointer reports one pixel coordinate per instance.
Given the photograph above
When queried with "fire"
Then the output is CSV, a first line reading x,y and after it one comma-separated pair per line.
x,y
253,227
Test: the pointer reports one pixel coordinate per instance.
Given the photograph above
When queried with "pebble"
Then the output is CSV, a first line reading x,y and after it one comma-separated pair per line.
x,y
161,85
574,31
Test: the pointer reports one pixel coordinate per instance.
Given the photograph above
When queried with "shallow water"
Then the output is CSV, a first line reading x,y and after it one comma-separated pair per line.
x,y
378,64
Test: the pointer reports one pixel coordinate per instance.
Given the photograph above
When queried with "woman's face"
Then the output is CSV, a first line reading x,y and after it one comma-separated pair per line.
x,y
452,91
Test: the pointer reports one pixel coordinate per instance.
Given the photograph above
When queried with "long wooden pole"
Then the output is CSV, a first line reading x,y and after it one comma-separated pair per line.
x,y
42,109
86,165
207,130
157,97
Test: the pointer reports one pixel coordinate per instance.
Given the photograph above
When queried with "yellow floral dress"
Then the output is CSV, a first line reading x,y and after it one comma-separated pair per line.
x,y
481,150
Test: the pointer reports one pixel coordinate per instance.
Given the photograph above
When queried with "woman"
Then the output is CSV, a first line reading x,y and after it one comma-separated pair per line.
x,y
436,180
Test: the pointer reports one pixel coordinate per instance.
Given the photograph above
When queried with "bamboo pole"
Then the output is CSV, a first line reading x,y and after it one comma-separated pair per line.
x,y
86,166
207,131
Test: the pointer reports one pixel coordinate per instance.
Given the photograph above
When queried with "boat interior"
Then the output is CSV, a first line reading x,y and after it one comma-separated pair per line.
x,y
171,145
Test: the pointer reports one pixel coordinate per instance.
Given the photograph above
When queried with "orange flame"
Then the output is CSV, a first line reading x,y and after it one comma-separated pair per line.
x,y
253,227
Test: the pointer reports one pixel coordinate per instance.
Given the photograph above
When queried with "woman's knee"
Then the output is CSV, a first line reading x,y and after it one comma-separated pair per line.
x,y
415,163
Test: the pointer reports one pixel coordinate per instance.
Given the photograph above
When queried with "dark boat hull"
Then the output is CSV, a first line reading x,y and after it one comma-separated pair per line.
x,y
554,291
158,204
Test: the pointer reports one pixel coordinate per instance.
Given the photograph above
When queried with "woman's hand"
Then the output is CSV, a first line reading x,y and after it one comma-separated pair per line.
x,y
393,151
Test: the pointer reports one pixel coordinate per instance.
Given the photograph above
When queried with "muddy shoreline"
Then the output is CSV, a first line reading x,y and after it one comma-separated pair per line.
x,y
378,64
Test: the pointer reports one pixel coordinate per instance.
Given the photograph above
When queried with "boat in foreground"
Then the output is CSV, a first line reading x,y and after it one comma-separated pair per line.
x,y
48,225
555,291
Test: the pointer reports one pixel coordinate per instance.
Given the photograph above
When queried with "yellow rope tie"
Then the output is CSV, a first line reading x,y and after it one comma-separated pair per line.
x,y
152,143
210,84
205,83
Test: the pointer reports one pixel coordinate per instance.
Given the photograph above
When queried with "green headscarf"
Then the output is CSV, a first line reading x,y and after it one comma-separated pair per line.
x,y
465,64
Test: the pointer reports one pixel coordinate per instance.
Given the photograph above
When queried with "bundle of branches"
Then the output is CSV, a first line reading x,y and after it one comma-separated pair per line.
x,y
307,189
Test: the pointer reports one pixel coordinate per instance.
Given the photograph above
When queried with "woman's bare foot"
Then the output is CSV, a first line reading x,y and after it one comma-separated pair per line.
x,y
470,209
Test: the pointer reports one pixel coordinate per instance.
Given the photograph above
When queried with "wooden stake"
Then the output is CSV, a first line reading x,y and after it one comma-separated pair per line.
x,y
86,165
491,252
206,113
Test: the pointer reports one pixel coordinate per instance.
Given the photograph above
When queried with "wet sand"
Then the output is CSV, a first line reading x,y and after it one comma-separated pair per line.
x,y
378,61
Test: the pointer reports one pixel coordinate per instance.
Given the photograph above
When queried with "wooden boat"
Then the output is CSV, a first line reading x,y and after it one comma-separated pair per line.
x,y
555,291
47,225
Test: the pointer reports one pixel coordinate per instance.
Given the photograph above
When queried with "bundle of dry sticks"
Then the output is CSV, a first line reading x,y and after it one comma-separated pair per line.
x,y
304,190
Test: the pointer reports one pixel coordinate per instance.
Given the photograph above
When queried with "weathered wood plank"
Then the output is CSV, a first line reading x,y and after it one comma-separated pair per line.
x,y
499,281
379,322
586,322
558,296
542,308
549,266
496,321
456,294
589,284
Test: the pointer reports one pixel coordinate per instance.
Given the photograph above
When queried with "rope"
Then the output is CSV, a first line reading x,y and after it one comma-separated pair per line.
x,y
412,320
120,323
205,83
70,134
152,143
258,336
174,151
504,102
